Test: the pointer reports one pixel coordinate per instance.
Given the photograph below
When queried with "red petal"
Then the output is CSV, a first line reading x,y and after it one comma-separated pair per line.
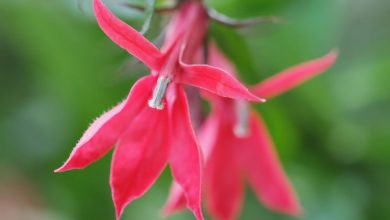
x,y
176,200
185,157
208,134
215,80
224,186
140,157
265,172
294,76
218,59
188,26
127,37
101,136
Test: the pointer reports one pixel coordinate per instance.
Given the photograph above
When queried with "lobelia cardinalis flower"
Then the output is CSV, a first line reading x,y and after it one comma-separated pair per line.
x,y
237,146
152,127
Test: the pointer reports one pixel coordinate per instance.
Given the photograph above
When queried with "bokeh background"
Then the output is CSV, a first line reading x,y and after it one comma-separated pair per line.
x,y
58,72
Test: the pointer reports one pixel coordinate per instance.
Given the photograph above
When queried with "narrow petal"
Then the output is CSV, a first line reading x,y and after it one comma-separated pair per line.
x,y
218,59
215,80
140,157
224,185
127,37
176,200
294,76
185,158
101,136
265,172
208,134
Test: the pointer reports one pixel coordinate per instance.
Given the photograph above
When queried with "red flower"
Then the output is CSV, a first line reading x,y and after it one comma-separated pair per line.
x,y
148,135
237,146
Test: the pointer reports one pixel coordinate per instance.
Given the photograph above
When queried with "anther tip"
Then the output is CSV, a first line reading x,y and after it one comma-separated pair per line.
x,y
240,132
154,105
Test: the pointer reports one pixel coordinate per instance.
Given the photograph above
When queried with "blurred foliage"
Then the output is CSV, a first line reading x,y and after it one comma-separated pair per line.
x,y
58,71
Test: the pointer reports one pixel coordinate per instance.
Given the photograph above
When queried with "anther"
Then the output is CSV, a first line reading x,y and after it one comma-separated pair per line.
x,y
159,92
241,129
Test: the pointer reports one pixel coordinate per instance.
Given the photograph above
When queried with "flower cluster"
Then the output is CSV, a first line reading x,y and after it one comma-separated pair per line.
x,y
152,127
237,146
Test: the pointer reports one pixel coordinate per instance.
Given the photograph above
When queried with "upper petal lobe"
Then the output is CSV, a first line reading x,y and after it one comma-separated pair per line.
x,y
127,37
294,76
215,80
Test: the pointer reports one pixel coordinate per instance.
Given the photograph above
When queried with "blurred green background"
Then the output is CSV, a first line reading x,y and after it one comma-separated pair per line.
x,y
58,72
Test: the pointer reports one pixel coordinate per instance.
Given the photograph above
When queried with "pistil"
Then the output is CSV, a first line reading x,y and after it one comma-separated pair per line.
x,y
159,93
241,129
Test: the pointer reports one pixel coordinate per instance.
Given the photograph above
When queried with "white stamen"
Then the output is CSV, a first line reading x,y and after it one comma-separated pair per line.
x,y
241,129
159,92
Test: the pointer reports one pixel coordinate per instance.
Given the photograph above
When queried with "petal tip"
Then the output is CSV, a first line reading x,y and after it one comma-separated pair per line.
x,y
170,209
63,168
292,208
120,207
198,214
118,211
254,98
59,170
296,212
332,55
261,100
167,211
67,166
334,51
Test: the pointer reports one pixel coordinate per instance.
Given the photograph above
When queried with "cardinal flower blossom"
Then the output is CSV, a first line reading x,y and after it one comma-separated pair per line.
x,y
151,128
237,146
